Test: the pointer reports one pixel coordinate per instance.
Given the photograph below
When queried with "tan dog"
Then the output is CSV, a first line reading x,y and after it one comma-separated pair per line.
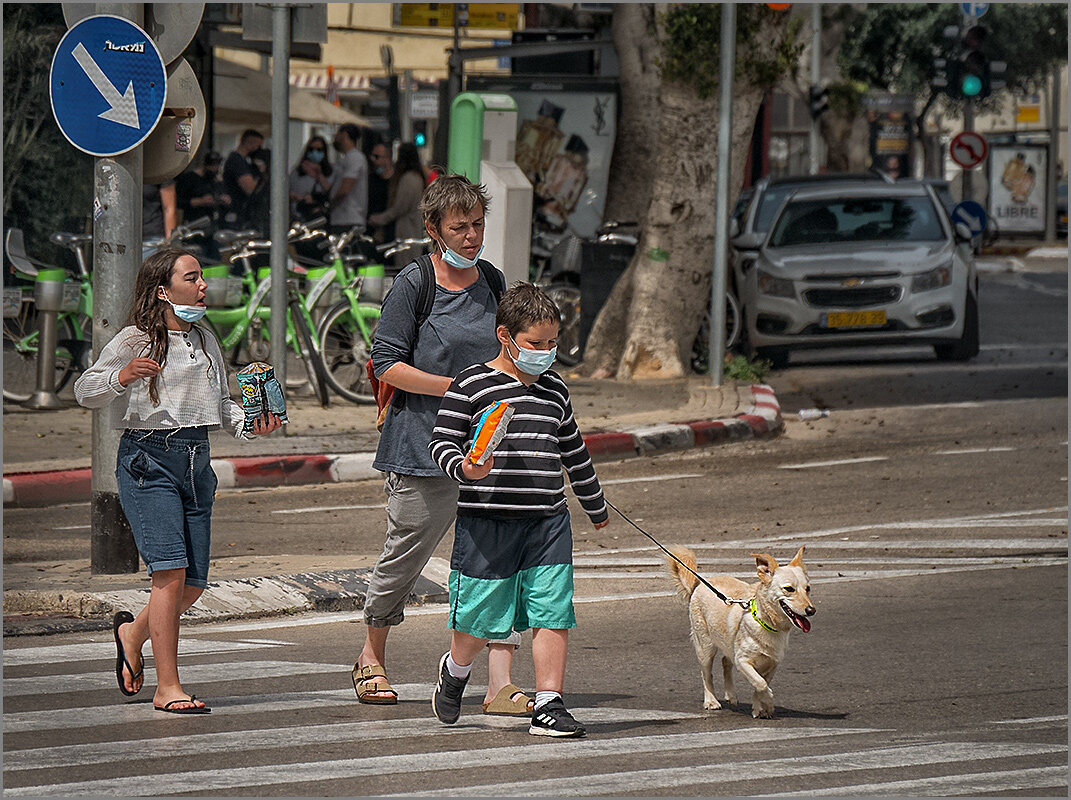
x,y
755,640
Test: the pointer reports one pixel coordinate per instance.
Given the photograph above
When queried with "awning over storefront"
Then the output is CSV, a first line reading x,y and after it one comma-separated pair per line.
x,y
243,100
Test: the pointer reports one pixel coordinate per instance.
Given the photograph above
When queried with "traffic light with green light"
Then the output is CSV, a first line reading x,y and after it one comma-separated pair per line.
x,y
420,132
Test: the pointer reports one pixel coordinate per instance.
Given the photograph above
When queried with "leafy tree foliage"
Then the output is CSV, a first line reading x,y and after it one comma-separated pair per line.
x,y
48,184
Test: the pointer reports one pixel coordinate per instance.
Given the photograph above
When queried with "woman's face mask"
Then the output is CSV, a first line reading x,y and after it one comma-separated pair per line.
x,y
315,156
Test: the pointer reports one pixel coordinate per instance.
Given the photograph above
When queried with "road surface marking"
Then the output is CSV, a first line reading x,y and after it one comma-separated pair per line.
x,y
101,651
651,478
73,528
312,509
975,450
1031,720
975,783
412,763
842,462
724,772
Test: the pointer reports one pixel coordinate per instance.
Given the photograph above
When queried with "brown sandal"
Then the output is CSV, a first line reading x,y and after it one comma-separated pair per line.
x,y
504,704
364,685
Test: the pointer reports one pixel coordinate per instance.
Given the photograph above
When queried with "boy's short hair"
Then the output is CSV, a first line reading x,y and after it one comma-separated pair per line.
x,y
451,193
524,305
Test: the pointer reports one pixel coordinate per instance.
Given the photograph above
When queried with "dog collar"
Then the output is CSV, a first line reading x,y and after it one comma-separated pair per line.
x,y
754,613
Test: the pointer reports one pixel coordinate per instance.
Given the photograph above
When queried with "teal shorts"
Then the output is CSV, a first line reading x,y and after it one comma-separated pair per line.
x,y
510,575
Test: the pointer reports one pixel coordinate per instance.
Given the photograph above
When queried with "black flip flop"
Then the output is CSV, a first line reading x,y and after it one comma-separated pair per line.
x,y
122,618
195,710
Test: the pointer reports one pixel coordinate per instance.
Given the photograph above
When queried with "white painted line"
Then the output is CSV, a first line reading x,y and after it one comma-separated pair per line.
x,y
226,474
974,451
618,783
843,462
301,735
450,761
970,785
1030,720
354,467
9,492
651,478
191,674
73,528
311,509
105,651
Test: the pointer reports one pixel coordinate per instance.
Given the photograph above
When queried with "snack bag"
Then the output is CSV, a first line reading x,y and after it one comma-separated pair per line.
x,y
490,430
261,393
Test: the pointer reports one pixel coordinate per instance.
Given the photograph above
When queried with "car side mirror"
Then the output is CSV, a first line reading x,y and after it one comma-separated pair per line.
x,y
963,233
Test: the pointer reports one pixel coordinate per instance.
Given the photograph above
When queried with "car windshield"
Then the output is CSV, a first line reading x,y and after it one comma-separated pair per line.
x,y
771,200
857,219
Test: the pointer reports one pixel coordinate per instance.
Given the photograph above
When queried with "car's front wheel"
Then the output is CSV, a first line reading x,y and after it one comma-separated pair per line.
x,y
967,346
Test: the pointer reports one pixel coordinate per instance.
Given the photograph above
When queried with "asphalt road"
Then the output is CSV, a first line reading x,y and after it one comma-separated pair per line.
x,y
933,506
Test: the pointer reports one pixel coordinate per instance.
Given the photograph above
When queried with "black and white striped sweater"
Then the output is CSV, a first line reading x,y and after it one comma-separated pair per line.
x,y
542,437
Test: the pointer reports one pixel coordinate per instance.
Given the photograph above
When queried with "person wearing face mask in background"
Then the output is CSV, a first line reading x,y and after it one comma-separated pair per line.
x,y
379,179
349,188
512,562
420,358
310,182
165,381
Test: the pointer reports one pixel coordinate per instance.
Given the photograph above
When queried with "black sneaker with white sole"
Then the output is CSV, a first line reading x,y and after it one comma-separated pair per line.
x,y
554,719
446,699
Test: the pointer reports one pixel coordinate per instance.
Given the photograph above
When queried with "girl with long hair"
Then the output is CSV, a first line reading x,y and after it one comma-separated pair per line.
x,y
166,384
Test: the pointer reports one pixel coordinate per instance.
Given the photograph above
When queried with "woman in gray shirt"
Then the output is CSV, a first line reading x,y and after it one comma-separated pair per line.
x,y
421,361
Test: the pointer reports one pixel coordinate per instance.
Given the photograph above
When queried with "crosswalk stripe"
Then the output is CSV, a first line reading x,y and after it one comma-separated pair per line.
x,y
1031,720
299,736
406,763
191,674
618,783
98,651
975,783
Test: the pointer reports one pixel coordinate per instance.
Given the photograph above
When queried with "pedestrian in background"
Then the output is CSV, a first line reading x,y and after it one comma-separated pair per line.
x,y
201,196
310,182
349,188
420,358
240,178
379,190
405,190
159,214
166,383
512,562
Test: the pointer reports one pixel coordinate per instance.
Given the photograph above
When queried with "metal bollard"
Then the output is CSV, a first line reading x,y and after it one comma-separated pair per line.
x,y
48,295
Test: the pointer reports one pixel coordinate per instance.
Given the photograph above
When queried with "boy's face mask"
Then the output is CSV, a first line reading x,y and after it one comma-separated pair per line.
x,y
533,362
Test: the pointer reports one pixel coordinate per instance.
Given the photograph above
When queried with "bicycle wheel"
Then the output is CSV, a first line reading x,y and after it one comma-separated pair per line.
x,y
566,297
345,349
310,354
258,348
20,354
701,345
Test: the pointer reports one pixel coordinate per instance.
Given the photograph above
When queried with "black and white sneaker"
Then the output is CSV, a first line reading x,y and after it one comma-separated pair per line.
x,y
446,699
554,719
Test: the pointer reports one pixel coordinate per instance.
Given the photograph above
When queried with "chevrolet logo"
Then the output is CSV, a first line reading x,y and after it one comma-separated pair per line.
x,y
852,282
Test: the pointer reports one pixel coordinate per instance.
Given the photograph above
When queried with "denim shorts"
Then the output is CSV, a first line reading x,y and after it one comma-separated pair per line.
x,y
166,488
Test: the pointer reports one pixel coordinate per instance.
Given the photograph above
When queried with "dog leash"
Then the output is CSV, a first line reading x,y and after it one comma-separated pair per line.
x,y
727,600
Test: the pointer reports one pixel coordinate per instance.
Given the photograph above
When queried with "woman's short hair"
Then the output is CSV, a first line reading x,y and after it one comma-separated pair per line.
x,y
451,193
524,305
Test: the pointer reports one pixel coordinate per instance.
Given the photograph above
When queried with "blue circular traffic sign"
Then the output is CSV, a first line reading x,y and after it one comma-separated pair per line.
x,y
971,214
107,85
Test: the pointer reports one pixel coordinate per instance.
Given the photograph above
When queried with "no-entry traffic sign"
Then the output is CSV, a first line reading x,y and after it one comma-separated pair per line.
x,y
968,149
107,85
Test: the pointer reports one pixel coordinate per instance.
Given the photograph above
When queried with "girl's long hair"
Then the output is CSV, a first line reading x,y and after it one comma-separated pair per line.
x,y
147,311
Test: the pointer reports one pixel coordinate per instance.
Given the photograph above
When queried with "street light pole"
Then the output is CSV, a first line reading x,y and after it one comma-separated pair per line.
x,y
727,71
280,198
816,69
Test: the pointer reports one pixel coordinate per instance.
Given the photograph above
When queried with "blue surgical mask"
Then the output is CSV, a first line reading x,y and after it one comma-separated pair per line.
x,y
458,260
533,362
315,156
187,313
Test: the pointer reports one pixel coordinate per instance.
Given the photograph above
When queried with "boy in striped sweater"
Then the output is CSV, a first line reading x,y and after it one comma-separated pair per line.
x,y
512,566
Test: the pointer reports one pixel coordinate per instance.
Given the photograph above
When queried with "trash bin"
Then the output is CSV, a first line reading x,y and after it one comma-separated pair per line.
x,y
601,264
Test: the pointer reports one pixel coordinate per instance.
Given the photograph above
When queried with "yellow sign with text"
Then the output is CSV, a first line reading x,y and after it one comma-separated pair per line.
x,y
491,16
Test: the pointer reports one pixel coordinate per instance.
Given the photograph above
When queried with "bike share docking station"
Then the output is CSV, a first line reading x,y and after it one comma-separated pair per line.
x,y
483,144
52,295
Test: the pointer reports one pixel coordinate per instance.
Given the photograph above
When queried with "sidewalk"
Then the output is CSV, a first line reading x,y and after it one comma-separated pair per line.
x,y
47,457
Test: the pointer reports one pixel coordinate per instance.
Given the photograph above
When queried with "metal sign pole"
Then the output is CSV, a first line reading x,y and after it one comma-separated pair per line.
x,y
814,139
726,72
117,191
1054,154
280,199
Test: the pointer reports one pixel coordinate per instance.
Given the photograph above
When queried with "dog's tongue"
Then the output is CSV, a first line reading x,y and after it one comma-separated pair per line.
x,y
802,623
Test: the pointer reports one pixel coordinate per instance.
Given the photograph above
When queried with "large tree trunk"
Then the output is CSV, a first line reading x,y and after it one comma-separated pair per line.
x,y
628,193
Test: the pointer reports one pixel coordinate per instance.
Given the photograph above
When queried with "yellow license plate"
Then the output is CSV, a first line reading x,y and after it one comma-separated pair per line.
x,y
855,319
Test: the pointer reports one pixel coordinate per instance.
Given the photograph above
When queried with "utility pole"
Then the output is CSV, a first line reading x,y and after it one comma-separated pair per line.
x,y
117,189
1054,153
816,68
280,198
727,70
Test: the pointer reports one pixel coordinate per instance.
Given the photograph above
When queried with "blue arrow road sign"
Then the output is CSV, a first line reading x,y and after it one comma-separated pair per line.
x,y
974,9
971,214
107,85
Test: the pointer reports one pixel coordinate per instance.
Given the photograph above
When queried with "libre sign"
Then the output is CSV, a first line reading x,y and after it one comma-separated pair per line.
x,y
107,85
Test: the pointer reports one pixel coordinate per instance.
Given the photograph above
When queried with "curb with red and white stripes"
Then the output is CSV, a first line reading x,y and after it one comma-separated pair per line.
x,y
761,419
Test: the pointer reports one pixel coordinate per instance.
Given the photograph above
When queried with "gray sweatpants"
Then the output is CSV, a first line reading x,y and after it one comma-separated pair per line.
x,y
420,510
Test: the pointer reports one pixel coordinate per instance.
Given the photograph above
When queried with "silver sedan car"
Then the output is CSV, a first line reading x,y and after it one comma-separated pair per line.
x,y
862,265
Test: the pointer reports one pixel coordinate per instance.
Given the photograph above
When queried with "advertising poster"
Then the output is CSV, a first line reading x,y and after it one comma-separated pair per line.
x,y
1017,187
891,139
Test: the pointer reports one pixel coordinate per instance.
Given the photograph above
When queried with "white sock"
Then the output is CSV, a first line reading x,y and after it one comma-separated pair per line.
x,y
542,698
457,670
